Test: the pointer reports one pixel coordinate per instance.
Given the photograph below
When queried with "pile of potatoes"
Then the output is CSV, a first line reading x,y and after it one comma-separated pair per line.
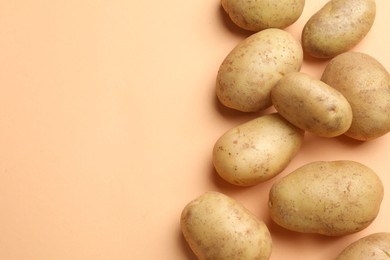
x,y
352,98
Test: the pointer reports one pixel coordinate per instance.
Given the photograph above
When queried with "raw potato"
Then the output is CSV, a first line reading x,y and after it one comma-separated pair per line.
x,y
331,198
337,27
258,15
373,247
365,83
249,72
312,105
217,227
257,150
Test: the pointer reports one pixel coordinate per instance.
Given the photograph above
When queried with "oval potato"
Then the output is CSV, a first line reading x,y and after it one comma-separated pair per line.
x,y
257,150
312,105
330,198
263,14
249,72
374,247
337,27
217,227
365,83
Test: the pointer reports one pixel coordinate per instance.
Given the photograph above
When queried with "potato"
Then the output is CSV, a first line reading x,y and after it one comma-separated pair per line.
x,y
217,227
263,14
257,150
374,247
248,73
365,83
312,105
337,27
331,198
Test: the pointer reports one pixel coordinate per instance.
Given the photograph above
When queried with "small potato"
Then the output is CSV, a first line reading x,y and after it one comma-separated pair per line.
x,y
257,150
331,198
249,72
337,27
365,83
217,227
263,14
312,105
373,247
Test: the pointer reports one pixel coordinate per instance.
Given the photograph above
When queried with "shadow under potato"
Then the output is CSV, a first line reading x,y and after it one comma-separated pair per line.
x,y
221,185
236,115
230,26
184,245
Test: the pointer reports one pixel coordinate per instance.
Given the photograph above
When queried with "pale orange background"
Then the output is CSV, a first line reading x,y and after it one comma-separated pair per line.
x,y
108,116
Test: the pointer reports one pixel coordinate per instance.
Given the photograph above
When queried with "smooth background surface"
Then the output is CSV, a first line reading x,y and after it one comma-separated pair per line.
x,y
108,116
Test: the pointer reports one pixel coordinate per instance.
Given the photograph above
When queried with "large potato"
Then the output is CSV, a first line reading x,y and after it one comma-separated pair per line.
x,y
365,83
337,27
312,105
217,227
262,14
373,247
256,150
249,72
330,198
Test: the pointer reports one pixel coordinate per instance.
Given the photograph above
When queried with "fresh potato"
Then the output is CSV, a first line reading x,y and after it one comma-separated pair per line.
x,y
331,198
337,27
365,83
373,247
312,105
263,14
217,227
257,150
247,75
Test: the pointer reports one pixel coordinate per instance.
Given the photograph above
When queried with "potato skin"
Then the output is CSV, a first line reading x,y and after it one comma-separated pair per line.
x,y
312,105
258,15
373,247
257,150
249,72
337,27
217,227
365,83
332,198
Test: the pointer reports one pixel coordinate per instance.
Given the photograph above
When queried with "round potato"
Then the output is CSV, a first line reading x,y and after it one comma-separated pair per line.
x,y
263,14
257,150
312,105
217,227
337,27
365,83
374,247
331,198
249,72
